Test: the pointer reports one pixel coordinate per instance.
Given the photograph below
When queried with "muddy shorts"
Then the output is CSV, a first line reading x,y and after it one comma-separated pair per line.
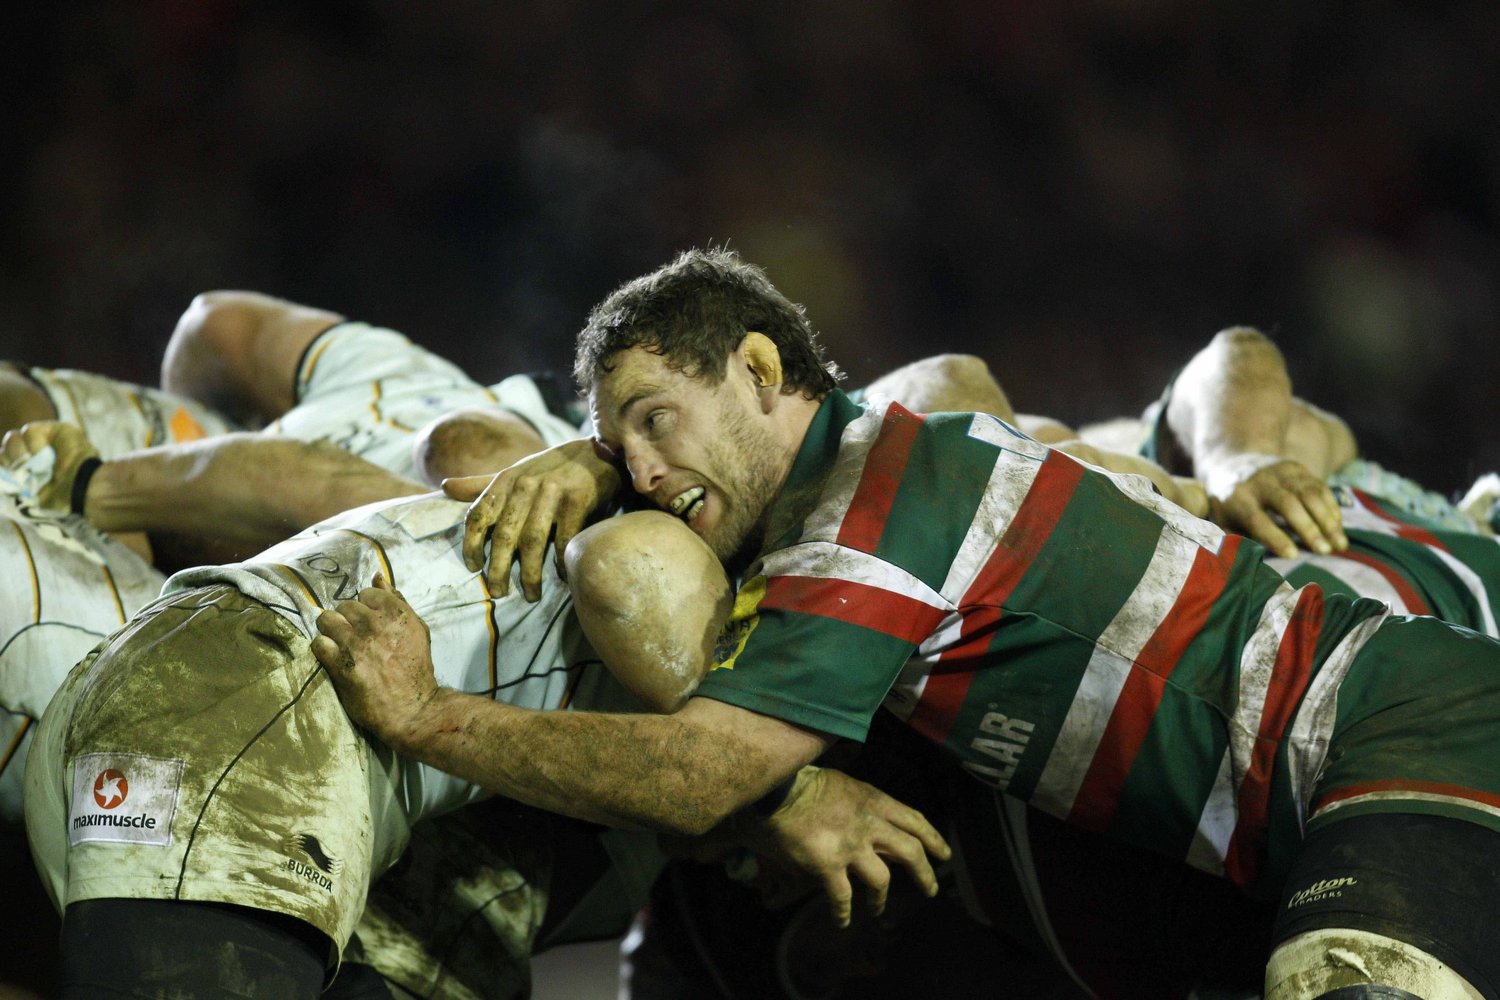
x,y
202,754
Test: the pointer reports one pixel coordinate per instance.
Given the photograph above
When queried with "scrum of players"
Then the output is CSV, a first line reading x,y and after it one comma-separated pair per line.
x,y
201,570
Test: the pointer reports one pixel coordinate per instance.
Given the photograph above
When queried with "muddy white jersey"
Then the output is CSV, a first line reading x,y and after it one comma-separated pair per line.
x,y
531,655
120,416
69,586
369,390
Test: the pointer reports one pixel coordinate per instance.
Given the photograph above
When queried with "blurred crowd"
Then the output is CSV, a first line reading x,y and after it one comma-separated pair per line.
x,y
1080,192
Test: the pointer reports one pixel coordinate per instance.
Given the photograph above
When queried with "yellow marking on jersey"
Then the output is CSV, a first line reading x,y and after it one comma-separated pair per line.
x,y
36,583
375,401
185,427
490,394
742,621
15,744
489,620
140,405
312,359
306,587
385,562
114,591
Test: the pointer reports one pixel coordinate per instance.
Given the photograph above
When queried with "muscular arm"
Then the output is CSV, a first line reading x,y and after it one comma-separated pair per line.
x,y
247,490
1257,450
237,492
239,351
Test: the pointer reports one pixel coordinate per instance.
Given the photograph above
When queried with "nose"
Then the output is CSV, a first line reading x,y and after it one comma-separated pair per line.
x,y
646,469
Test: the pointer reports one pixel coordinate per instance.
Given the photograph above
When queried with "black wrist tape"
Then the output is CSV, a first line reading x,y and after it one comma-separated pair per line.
x,y
86,470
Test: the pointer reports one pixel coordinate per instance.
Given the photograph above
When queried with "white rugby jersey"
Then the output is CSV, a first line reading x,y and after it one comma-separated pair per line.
x,y
69,586
369,390
531,655
121,416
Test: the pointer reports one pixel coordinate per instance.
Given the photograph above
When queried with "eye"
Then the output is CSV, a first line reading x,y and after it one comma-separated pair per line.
x,y
656,421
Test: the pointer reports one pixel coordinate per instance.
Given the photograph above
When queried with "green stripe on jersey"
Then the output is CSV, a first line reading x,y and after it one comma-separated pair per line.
x,y
1303,574
1446,595
946,474
1481,554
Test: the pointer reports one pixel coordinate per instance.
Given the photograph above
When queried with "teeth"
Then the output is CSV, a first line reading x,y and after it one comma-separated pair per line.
x,y
693,511
685,499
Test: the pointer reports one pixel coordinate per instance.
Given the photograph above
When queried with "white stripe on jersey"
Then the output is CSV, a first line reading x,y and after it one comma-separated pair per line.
x,y
859,434
1312,727
830,561
1475,586
1410,796
1210,844
1114,655
1366,581
1257,669
906,692
1009,483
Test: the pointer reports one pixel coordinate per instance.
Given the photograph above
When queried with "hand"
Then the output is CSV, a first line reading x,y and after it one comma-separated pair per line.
x,y
378,652
550,494
832,825
1189,494
1248,489
70,447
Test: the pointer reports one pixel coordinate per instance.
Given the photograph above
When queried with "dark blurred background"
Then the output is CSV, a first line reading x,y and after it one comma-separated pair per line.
x,y
1080,192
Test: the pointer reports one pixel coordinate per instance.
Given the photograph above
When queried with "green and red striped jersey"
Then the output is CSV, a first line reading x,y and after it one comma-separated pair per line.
x,y
1069,636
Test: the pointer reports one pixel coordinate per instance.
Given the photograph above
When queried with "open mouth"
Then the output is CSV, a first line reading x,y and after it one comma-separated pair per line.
x,y
688,504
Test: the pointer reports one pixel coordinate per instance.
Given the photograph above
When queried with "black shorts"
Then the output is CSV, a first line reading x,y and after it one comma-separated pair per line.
x,y
1430,881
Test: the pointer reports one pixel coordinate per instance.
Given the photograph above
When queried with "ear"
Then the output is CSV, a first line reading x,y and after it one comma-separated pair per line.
x,y
763,358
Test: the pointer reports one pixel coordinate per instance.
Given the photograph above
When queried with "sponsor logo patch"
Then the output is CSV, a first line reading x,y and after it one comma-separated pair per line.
x,y
123,798
1328,888
304,848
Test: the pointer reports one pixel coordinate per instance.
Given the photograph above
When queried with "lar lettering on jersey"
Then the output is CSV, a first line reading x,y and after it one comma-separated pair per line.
x,y
123,798
1002,741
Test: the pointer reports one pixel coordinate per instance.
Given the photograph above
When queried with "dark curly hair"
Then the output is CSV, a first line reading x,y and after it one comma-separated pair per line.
x,y
694,312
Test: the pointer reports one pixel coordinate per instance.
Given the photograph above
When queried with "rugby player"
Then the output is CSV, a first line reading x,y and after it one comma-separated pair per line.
x,y
1068,637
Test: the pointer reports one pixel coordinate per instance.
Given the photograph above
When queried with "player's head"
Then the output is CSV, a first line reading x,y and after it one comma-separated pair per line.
x,y
694,312
702,378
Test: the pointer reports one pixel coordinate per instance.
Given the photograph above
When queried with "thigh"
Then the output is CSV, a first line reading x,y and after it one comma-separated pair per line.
x,y
1404,900
202,755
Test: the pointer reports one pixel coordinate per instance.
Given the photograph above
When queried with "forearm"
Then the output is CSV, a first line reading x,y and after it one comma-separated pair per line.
x,y
664,773
1233,398
247,489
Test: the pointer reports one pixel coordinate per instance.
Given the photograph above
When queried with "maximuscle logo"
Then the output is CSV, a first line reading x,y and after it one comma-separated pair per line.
x,y
110,788
123,798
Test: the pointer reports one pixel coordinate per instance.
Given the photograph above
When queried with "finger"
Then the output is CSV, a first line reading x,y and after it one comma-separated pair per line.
x,y
479,522
570,521
927,836
1303,526
1324,508
335,627
1253,521
506,537
467,488
359,617
840,896
876,878
330,654
534,536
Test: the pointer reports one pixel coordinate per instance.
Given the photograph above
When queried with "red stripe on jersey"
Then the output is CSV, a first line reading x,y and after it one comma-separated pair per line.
x,y
948,684
1290,675
864,522
1403,529
942,697
1399,583
873,608
1135,708
1051,492
1403,785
